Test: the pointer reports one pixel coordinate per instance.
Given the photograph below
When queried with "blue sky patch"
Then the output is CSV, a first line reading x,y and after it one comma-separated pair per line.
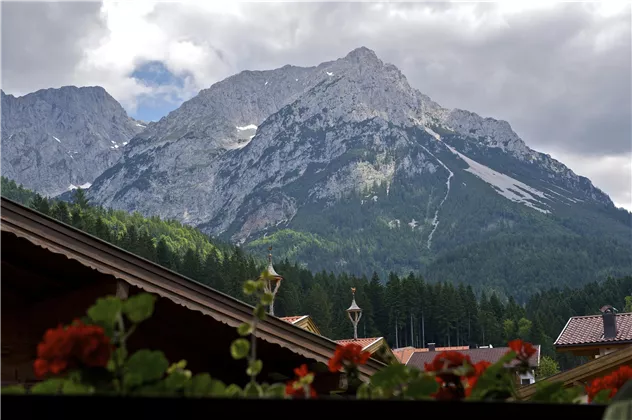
x,y
154,107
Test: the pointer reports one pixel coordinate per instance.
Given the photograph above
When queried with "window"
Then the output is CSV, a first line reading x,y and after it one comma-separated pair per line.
x,y
525,381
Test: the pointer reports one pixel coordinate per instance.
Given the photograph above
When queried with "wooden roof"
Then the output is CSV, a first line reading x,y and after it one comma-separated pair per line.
x,y
492,355
403,354
106,258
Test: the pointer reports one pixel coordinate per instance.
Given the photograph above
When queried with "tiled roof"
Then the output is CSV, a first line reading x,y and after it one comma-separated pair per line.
x,y
404,353
589,330
491,355
293,319
364,342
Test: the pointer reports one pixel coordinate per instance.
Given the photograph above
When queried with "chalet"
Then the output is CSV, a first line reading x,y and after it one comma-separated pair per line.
x,y
51,274
594,336
606,340
490,354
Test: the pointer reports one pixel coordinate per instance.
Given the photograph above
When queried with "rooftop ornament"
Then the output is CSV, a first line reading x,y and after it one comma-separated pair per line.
x,y
355,313
272,281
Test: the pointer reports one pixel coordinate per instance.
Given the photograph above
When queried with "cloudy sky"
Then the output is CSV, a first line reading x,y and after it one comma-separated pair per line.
x,y
560,73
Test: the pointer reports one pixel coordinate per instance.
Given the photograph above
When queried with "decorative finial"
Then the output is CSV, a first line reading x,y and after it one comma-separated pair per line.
x,y
272,281
355,313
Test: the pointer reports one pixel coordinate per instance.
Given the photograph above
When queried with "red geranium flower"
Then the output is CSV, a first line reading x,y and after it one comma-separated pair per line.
x,y
349,355
75,346
450,384
477,371
612,382
301,371
523,350
297,388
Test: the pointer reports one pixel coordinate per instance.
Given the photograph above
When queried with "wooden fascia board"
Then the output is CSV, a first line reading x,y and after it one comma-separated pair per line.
x,y
591,346
92,252
311,326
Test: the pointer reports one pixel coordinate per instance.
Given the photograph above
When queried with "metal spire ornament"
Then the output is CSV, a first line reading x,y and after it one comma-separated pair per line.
x,y
271,281
355,313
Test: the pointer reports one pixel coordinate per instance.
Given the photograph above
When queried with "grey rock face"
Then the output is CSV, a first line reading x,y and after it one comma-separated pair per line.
x,y
56,139
249,153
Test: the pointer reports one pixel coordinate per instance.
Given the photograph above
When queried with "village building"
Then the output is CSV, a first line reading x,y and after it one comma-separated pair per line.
x,y
52,273
490,354
605,339
594,336
377,346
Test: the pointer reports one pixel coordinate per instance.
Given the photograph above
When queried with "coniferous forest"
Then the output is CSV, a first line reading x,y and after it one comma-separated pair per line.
x,y
407,310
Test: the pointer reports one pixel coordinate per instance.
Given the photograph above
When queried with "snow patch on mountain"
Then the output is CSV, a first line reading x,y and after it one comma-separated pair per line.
x,y
247,127
83,186
435,220
504,184
501,183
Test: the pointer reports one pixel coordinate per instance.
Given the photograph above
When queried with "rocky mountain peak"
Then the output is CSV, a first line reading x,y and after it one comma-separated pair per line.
x,y
362,55
60,138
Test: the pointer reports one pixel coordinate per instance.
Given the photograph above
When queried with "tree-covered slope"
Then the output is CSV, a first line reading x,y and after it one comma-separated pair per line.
x,y
407,310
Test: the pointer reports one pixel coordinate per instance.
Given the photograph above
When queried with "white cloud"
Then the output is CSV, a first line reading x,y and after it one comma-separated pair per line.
x,y
612,174
558,72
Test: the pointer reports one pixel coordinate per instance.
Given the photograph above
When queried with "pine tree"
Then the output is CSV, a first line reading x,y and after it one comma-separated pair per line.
x,y
319,307
80,199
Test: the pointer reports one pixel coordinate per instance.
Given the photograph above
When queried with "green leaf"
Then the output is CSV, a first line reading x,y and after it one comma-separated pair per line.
x,y
74,388
105,311
421,387
140,307
260,312
177,366
239,348
602,397
364,391
233,391
250,287
275,391
554,392
145,366
49,386
254,367
198,386
267,298
496,383
390,377
13,389
218,388
176,381
253,389
244,329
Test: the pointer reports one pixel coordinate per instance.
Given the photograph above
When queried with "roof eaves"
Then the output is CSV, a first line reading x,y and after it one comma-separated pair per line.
x,y
595,343
42,231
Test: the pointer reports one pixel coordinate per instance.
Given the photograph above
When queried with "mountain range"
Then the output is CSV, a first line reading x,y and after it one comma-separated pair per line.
x,y
343,167
55,140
